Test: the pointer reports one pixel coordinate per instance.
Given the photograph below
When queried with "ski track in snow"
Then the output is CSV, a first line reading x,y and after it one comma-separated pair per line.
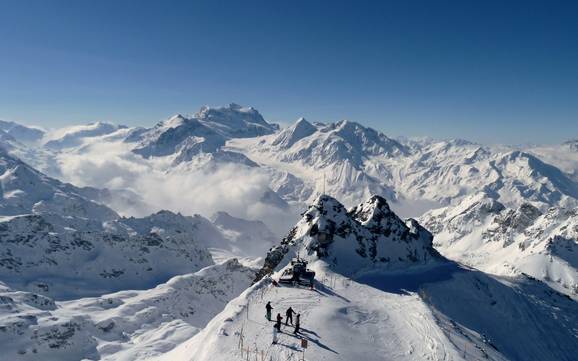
x,y
349,321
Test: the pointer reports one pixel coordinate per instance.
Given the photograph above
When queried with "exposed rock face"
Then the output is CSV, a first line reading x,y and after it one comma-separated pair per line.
x,y
34,327
55,241
67,258
483,233
368,236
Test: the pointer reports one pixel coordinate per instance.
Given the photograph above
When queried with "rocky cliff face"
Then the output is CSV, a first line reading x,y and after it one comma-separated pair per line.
x,y
369,236
67,258
483,233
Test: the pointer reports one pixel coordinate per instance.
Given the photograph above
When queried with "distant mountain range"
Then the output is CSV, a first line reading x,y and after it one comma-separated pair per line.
x,y
485,268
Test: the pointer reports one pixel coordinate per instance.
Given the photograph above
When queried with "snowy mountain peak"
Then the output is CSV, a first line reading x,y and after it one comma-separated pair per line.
x,y
205,132
174,121
368,237
299,130
234,116
372,211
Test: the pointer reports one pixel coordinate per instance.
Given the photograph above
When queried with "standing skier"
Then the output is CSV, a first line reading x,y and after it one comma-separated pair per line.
x,y
289,315
269,308
278,323
297,323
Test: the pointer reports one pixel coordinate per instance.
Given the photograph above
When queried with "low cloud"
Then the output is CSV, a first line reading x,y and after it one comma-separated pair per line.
x,y
232,188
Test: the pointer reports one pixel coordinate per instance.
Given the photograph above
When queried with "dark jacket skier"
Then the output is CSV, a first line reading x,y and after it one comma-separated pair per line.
x,y
269,308
278,323
297,323
289,316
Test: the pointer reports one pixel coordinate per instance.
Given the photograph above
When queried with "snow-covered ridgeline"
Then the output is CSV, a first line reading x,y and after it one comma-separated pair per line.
x,y
432,310
483,233
128,325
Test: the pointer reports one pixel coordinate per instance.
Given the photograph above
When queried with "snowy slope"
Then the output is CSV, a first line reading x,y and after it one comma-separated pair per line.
x,y
128,325
358,161
205,132
74,136
435,310
455,314
563,156
483,233
54,240
67,257
22,133
24,190
249,238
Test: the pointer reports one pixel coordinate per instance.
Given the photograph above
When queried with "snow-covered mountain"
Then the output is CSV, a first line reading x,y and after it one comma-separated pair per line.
x,y
357,162
572,145
251,238
67,257
128,325
56,241
70,137
205,132
483,233
22,133
368,237
424,309
24,190
509,211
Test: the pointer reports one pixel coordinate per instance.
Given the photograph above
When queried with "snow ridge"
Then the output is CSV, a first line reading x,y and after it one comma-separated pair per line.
x,y
369,236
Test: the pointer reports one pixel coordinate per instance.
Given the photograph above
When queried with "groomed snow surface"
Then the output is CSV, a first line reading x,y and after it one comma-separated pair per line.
x,y
441,312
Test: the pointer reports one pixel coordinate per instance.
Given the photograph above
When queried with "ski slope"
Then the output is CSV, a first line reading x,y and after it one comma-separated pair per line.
x,y
341,320
439,312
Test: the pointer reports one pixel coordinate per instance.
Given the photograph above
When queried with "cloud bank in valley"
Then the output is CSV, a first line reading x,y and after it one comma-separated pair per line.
x,y
232,188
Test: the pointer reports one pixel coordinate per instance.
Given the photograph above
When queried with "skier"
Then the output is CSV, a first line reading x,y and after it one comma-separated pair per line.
x,y
297,323
289,315
269,308
278,323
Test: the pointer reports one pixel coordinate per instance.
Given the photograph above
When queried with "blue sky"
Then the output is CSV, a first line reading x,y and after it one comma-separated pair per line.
x,y
489,71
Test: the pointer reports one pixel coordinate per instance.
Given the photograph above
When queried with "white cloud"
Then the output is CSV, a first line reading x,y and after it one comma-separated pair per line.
x,y
236,189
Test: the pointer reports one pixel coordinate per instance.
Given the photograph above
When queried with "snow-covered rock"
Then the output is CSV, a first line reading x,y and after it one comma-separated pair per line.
x,y
368,237
128,325
22,133
432,311
205,132
24,190
485,234
67,257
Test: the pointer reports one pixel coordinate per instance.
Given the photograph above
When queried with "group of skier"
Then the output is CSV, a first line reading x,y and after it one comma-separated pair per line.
x,y
288,319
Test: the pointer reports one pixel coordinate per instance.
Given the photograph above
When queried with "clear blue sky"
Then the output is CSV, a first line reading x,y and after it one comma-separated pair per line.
x,y
489,71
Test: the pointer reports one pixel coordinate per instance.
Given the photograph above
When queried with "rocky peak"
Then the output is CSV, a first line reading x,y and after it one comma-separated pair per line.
x,y
371,212
370,236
